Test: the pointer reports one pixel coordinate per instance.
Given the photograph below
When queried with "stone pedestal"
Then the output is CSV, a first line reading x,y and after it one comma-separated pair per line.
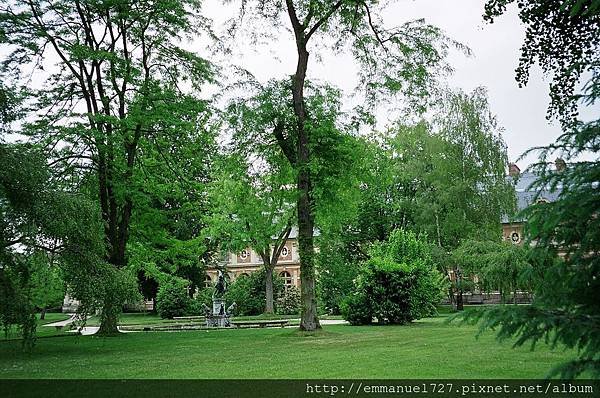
x,y
219,316
218,307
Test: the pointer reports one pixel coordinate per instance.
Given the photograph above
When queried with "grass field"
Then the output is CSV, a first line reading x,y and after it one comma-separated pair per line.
x,y
426,349
41,331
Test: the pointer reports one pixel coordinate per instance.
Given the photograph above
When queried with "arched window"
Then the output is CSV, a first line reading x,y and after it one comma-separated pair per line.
x,y
207,281
287,278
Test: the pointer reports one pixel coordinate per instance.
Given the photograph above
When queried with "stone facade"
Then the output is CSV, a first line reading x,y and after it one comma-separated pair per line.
x,y
247,261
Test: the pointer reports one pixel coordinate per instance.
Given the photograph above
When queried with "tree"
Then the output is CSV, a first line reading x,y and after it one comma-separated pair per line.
x,y
248,292
254,207
115,91
451,173
47,285
562,38
39,220
400,60
397,284
497,266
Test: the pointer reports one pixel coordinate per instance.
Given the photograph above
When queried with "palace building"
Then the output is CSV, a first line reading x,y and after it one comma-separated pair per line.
x,y
512,228
288,265
248,261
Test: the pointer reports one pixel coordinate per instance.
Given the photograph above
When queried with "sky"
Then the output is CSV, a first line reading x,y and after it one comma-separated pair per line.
x,y
521,112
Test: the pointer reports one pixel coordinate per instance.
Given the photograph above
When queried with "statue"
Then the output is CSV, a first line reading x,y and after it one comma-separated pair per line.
x,y
221,286
218,316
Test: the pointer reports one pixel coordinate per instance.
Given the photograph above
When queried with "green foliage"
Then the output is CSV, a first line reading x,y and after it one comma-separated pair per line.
x,y
173,299
135,139
48,232
47,285
337,272
248,292
397,285
561,38
452,172
202,298
499,266
394,61
288,301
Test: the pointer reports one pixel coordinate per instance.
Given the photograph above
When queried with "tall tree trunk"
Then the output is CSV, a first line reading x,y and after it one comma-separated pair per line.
x,y
308,318
269,307
43,313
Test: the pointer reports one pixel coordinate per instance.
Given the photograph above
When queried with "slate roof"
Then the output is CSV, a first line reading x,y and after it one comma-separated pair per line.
x,y
527,195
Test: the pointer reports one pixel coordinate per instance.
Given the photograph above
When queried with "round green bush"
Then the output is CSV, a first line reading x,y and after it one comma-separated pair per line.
x,y
173,300
397,285
248,293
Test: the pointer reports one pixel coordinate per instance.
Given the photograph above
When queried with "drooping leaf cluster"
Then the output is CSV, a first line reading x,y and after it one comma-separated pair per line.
x,y
42,225
562,38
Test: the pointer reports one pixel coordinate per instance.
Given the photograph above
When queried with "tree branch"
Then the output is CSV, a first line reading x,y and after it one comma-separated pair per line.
x,y
284,143
324,19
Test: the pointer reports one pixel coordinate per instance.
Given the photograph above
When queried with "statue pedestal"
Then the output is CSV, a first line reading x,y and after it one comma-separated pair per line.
x,y
218,307
219,317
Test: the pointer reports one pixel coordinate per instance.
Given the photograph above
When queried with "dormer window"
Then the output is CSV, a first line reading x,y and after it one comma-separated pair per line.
x,y
244,254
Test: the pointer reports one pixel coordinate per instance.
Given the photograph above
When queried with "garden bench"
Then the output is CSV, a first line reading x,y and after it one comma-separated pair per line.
x,y
260,324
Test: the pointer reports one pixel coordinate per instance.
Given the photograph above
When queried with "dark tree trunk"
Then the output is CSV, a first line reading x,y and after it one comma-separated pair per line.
x,y
269,307
459,300
308,318
43,313
109,316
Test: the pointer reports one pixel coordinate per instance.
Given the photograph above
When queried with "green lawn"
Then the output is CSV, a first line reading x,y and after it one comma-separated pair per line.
x,y
426,349
41,331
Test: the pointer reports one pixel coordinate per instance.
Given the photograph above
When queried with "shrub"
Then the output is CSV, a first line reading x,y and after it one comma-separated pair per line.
x,y
398,284
248,293
172,299
336,276
288,301
356,309
202,298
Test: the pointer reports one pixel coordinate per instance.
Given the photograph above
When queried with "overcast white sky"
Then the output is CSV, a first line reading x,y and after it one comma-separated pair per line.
x,y
520,111
496,49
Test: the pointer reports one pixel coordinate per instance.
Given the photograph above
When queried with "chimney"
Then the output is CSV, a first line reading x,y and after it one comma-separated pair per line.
x,y
513,170
560,164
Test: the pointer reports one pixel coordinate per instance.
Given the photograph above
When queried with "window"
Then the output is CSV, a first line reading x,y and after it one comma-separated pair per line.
x,y
515,237
207,281
287,278
284,252
244,254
